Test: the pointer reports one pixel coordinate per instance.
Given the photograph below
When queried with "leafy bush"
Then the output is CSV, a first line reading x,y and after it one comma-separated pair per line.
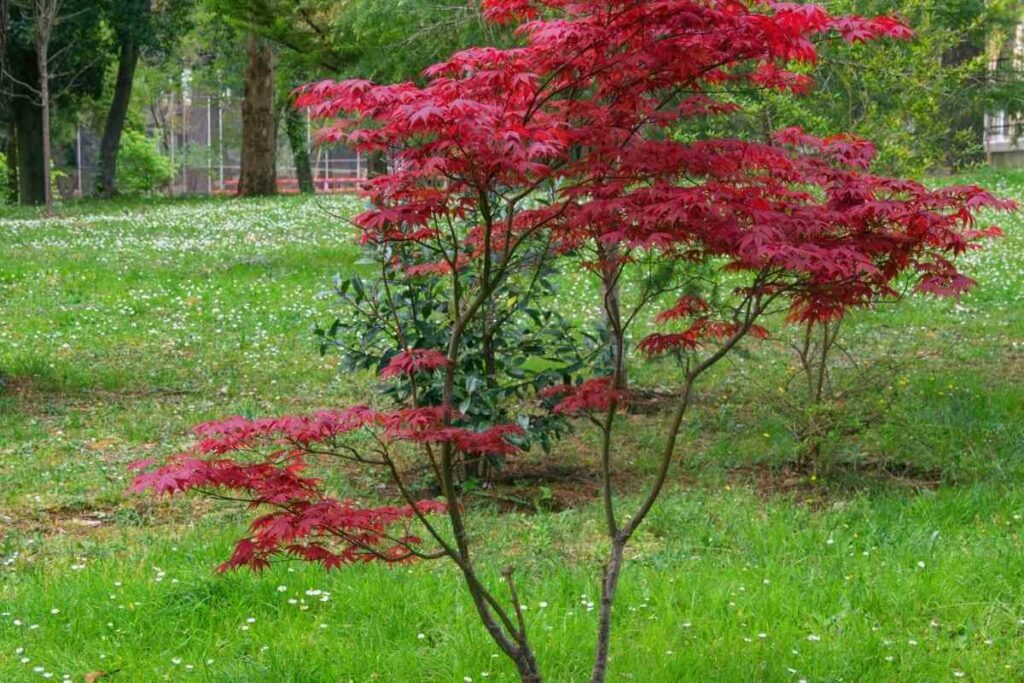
x,y
832,397
141,168
519,347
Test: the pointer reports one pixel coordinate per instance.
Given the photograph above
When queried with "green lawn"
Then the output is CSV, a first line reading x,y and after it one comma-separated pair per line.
x,y
121,325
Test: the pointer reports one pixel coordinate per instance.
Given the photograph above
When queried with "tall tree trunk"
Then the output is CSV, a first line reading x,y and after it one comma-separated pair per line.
x,y
113,127
42,60
258,175
28,124
295,128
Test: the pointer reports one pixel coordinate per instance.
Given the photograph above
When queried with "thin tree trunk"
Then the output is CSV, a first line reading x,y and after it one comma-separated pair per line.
x,y
295,128
113,127
609,585
44,87
258,175
11,191
45,18
611,271
11,152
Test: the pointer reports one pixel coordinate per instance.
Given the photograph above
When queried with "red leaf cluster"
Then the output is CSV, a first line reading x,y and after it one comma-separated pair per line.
x,y
410,362
701,330
304,522
593,395
572,105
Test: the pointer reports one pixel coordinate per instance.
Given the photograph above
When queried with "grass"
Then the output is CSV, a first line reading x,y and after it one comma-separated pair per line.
x,y
122,324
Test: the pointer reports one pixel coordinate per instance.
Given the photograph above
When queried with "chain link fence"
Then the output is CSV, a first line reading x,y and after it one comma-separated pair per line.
x,y
201,136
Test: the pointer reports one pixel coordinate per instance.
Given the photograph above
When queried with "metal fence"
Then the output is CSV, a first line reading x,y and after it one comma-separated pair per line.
x,y
201,135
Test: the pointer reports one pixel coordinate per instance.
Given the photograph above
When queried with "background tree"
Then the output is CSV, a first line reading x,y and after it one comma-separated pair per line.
x,y
923,101
45,15
259,125
366,38
296,128
10,187
141,29
77,54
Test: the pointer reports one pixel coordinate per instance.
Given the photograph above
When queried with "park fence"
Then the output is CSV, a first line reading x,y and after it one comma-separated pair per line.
x,y
201,136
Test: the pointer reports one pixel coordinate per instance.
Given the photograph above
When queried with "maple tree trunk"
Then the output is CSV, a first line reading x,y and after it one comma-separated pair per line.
x,y
610,274
609,586
258,173
114,125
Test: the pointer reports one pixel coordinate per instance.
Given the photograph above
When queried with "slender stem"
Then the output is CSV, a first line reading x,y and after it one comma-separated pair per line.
x,y
609,585
606,470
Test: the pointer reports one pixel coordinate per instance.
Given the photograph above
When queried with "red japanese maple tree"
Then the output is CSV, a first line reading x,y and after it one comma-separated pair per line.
x,y
564,146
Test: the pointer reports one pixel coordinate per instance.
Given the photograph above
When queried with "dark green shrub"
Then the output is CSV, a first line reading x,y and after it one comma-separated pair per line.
x,y
141,168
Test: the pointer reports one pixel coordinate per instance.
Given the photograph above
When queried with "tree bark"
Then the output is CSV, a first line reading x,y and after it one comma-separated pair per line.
x,y
46,12
113,127
295,128
609,585
258,173
28,124
611,271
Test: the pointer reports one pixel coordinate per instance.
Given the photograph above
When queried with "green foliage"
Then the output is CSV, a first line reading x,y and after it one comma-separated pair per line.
x,y
141,168
80,51
521,346
833,398
395,41
384,41
921,101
